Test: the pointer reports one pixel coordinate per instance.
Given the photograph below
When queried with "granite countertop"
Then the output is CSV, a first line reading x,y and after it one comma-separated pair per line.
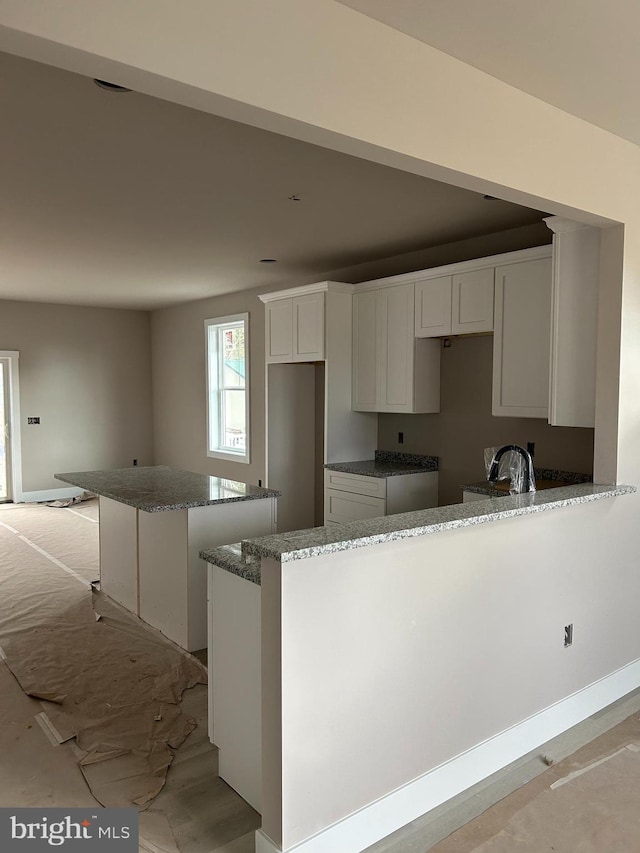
x,y
158,488
387,464
231,558
313,542
546,478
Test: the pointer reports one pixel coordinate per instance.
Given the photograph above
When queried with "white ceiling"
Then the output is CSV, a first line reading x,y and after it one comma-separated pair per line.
x,y
582,56
126,200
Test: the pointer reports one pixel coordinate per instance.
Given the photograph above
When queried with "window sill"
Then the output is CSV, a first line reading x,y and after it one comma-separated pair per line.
x,y
229,456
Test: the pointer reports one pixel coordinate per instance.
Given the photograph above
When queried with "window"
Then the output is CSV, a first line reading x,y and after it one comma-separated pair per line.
x,y
227,340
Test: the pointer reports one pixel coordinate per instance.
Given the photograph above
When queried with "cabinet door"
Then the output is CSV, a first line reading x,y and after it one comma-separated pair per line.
x,y
343,507
396,354
279,330
574,323
433,307
308,327
365,351
521,339
472,302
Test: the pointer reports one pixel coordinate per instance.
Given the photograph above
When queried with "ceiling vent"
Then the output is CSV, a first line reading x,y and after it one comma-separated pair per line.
x,y
110,87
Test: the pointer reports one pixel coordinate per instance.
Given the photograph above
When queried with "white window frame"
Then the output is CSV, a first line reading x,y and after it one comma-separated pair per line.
x,y
213,390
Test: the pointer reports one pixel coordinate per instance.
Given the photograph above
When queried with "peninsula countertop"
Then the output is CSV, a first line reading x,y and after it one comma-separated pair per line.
x,y
157,488
301,544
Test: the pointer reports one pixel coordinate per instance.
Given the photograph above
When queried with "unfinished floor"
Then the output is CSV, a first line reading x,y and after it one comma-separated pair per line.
x,y
577,793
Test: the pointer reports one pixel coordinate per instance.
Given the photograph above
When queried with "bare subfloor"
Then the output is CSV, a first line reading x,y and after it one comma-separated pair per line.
x,y
577,793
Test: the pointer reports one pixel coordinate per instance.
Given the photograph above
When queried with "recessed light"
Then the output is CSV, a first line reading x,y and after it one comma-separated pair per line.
x,y
268,261
110,87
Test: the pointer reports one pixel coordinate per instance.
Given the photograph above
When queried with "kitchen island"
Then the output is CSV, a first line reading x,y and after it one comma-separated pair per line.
x,y
412,656
154,521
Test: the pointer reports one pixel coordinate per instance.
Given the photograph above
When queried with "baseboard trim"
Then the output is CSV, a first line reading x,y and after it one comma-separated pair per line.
x,y
49,495
264,844
381,818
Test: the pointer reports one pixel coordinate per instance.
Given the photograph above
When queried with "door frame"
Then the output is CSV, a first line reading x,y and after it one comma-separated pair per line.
x,y
15,446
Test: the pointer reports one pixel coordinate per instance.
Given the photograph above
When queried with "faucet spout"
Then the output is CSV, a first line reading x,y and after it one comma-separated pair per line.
x,y
528,478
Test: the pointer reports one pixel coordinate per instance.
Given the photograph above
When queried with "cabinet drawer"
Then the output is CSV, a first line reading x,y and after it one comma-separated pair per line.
x,y
359,484
346,506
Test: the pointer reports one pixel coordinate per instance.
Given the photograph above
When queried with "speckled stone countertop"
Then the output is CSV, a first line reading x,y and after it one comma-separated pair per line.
x,y
231,558
546,476
313,542
387,464
157,488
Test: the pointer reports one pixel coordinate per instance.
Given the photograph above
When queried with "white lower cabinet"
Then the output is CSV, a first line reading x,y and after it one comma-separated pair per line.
x,y
521,340
235,697
355,497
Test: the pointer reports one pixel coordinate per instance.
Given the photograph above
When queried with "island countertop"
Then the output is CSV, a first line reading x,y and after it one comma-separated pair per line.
x,y
301,544
157,488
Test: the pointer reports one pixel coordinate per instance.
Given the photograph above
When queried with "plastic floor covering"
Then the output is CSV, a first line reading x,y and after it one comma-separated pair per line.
x,y
106,689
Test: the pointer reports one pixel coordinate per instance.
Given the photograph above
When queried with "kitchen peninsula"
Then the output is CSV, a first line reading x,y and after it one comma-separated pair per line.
x,y
154,521
438,633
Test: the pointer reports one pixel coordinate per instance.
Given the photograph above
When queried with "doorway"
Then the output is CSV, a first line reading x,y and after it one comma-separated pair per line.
x,y
10,467
5,448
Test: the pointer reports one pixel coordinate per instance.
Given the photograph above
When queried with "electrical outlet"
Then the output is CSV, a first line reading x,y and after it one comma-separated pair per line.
x,y
33,420
568,635
135,461
400,438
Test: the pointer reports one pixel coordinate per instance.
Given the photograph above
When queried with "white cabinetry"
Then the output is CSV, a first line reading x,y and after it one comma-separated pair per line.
x,y
356,497
574,320
433,307
521,339
472,302
470,497
295,328
455,304
392,371
309,416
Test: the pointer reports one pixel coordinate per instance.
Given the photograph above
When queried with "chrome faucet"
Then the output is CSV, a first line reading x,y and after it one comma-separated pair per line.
x,y
528,479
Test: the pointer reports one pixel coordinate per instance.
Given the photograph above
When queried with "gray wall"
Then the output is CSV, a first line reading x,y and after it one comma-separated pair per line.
x,y
179,386
465,424
86,372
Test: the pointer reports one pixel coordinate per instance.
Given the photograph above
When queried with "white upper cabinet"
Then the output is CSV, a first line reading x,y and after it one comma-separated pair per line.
x,y
308,327
295,328
433,307
522,339
392,371
279,330
366,307
456,304
574,320
472,302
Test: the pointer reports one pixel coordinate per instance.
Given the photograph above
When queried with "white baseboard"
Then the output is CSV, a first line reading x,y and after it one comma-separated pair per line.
x,y
50,495
386,815
264,844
